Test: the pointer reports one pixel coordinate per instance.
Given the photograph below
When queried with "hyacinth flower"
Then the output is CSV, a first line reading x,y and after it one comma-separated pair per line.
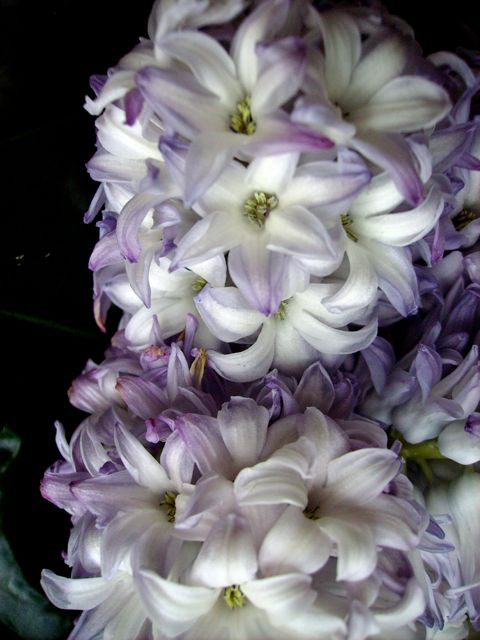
x,y
278,181
354,89
136,520
230,105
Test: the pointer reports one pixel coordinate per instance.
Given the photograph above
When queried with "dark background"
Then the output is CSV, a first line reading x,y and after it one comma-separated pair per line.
x,y
48,50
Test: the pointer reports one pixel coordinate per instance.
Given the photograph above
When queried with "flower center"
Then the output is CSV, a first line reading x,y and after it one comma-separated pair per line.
x,y
234,597
168,504
198,284
241,120
312,513
281,312
463,219
347,222
259,206
198,367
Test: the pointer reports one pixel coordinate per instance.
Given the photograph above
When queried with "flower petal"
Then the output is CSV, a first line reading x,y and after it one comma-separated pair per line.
x,y
294,543
181,101
259,273
247,365
141,465
391,152
173,607
405,104
226,313
227,556
208,61
281,67
243,425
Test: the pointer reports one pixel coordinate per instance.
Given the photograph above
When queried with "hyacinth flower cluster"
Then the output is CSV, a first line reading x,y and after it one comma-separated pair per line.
x,y
283,437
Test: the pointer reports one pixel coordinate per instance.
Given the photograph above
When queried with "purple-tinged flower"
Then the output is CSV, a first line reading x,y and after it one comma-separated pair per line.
x,y
272,213
360,94
301,331
229,105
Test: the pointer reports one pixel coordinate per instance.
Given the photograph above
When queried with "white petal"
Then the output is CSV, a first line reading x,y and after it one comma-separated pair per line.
x,y
282,597
379,196
357,553
243,425
403,105
227,556
258,26
78,593
406,227
408,608
296,231
360,288
226,313
459,444
330,340
208,60
209,237
294,543
383,59
247,365
141,465
360,476
342,44
272,174
173,607
292,353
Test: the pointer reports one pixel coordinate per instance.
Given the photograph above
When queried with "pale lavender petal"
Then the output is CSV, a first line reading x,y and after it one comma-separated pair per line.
x,y
404,104
281,67
208,156
227,556
247,365
215,234
396,276
181,101
78,593
294,543
204,442
260,25
130,221
141,465
226,313
391,152
276,133
141,396
258,273
243,425
297,232
208,61
181,604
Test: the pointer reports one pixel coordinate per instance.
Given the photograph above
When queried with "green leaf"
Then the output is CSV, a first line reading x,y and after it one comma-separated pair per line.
x,y
23,609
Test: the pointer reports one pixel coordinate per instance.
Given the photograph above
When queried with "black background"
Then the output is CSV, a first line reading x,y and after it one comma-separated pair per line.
x,y
48,50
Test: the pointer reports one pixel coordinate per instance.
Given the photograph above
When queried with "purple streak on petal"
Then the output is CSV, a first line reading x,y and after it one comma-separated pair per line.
x,y
315,389
97,203
158,429
276,133
106,252
467,161
379,358
259,274
129,221
202,437
97,82
391,152
142,397
133,106
281,67
472,425
427,367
